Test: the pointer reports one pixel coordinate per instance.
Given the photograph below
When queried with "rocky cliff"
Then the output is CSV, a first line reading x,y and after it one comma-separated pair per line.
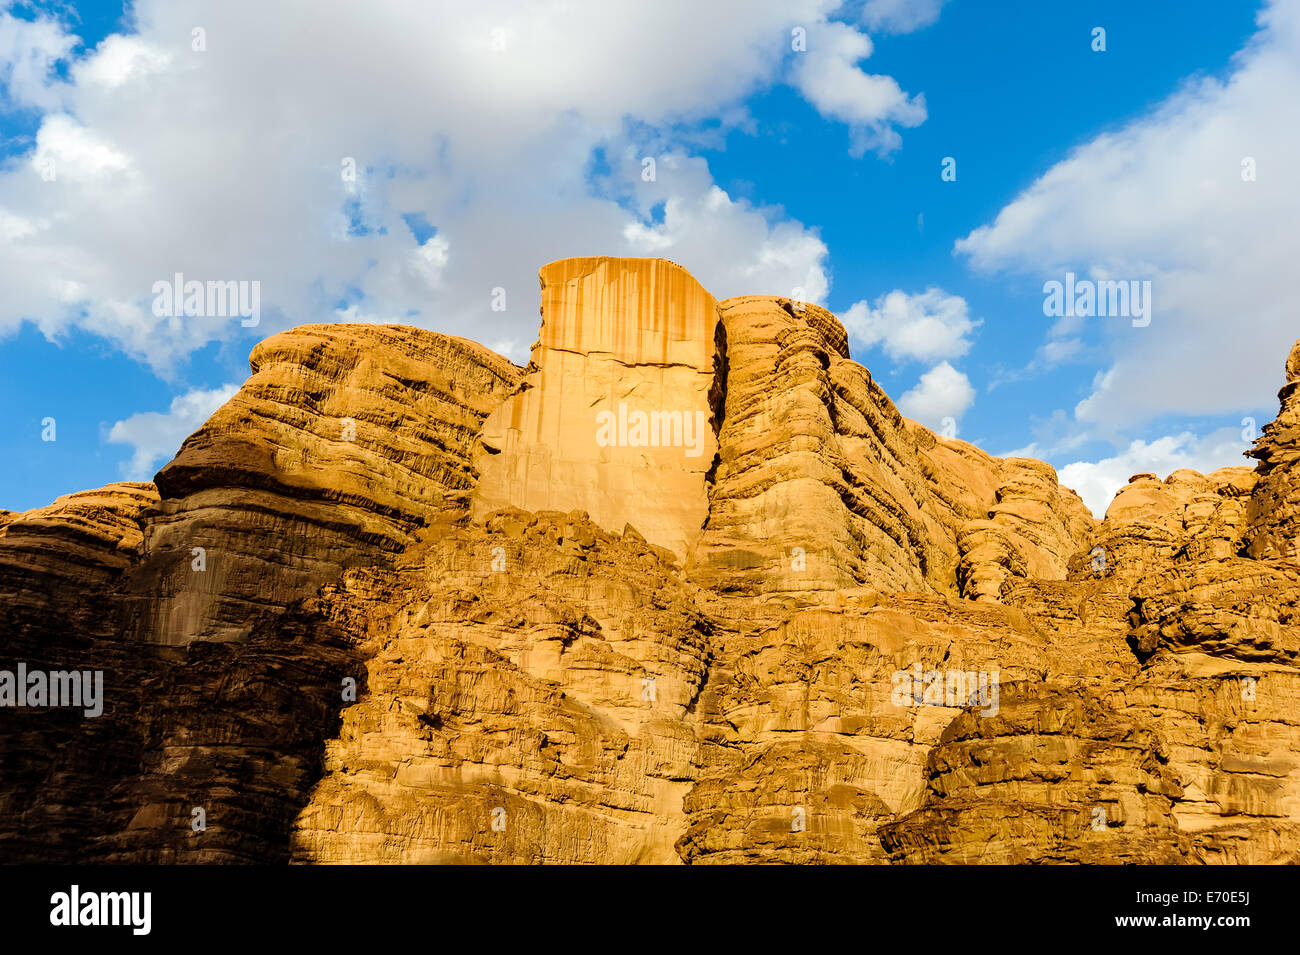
x,y
687,588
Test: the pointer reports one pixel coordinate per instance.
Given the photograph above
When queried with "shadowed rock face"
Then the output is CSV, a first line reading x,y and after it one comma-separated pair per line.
x,y
1274,508
401,601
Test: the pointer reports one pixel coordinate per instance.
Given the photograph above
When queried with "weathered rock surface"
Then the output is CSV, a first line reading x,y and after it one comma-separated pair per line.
x,y
536,673
1274,508
336,451
345,442
615,413
688,588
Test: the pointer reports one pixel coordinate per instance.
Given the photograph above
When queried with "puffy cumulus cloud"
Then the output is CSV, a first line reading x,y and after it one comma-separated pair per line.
x,y
873,106
295,153
29,52
156,436
943,392
1169,198
926,326
900,16
732,246
65,146
1098,481
119,59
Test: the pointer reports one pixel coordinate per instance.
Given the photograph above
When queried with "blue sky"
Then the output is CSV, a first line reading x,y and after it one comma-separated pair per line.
x,y
776,169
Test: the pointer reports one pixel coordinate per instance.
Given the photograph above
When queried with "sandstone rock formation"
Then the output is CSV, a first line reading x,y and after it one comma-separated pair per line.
x,y
615,413
688,588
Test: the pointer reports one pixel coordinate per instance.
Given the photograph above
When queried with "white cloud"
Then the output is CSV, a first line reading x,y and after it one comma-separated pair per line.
x,y
927,326
1059,350
828,77
227,164
74,152
942,392
900,16
119,59
1164,199
730,245
1098,481
29,51
156,436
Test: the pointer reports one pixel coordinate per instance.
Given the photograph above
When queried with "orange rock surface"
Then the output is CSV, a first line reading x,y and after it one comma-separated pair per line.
x,y
687,588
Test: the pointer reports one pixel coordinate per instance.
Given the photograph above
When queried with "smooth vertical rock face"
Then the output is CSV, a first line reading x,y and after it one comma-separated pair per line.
x,y
437,619
614,414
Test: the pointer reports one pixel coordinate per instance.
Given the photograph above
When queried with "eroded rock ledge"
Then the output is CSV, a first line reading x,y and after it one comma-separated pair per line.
x,y
656,597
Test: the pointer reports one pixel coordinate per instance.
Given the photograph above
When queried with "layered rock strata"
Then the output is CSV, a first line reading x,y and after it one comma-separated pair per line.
x,y
402,601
